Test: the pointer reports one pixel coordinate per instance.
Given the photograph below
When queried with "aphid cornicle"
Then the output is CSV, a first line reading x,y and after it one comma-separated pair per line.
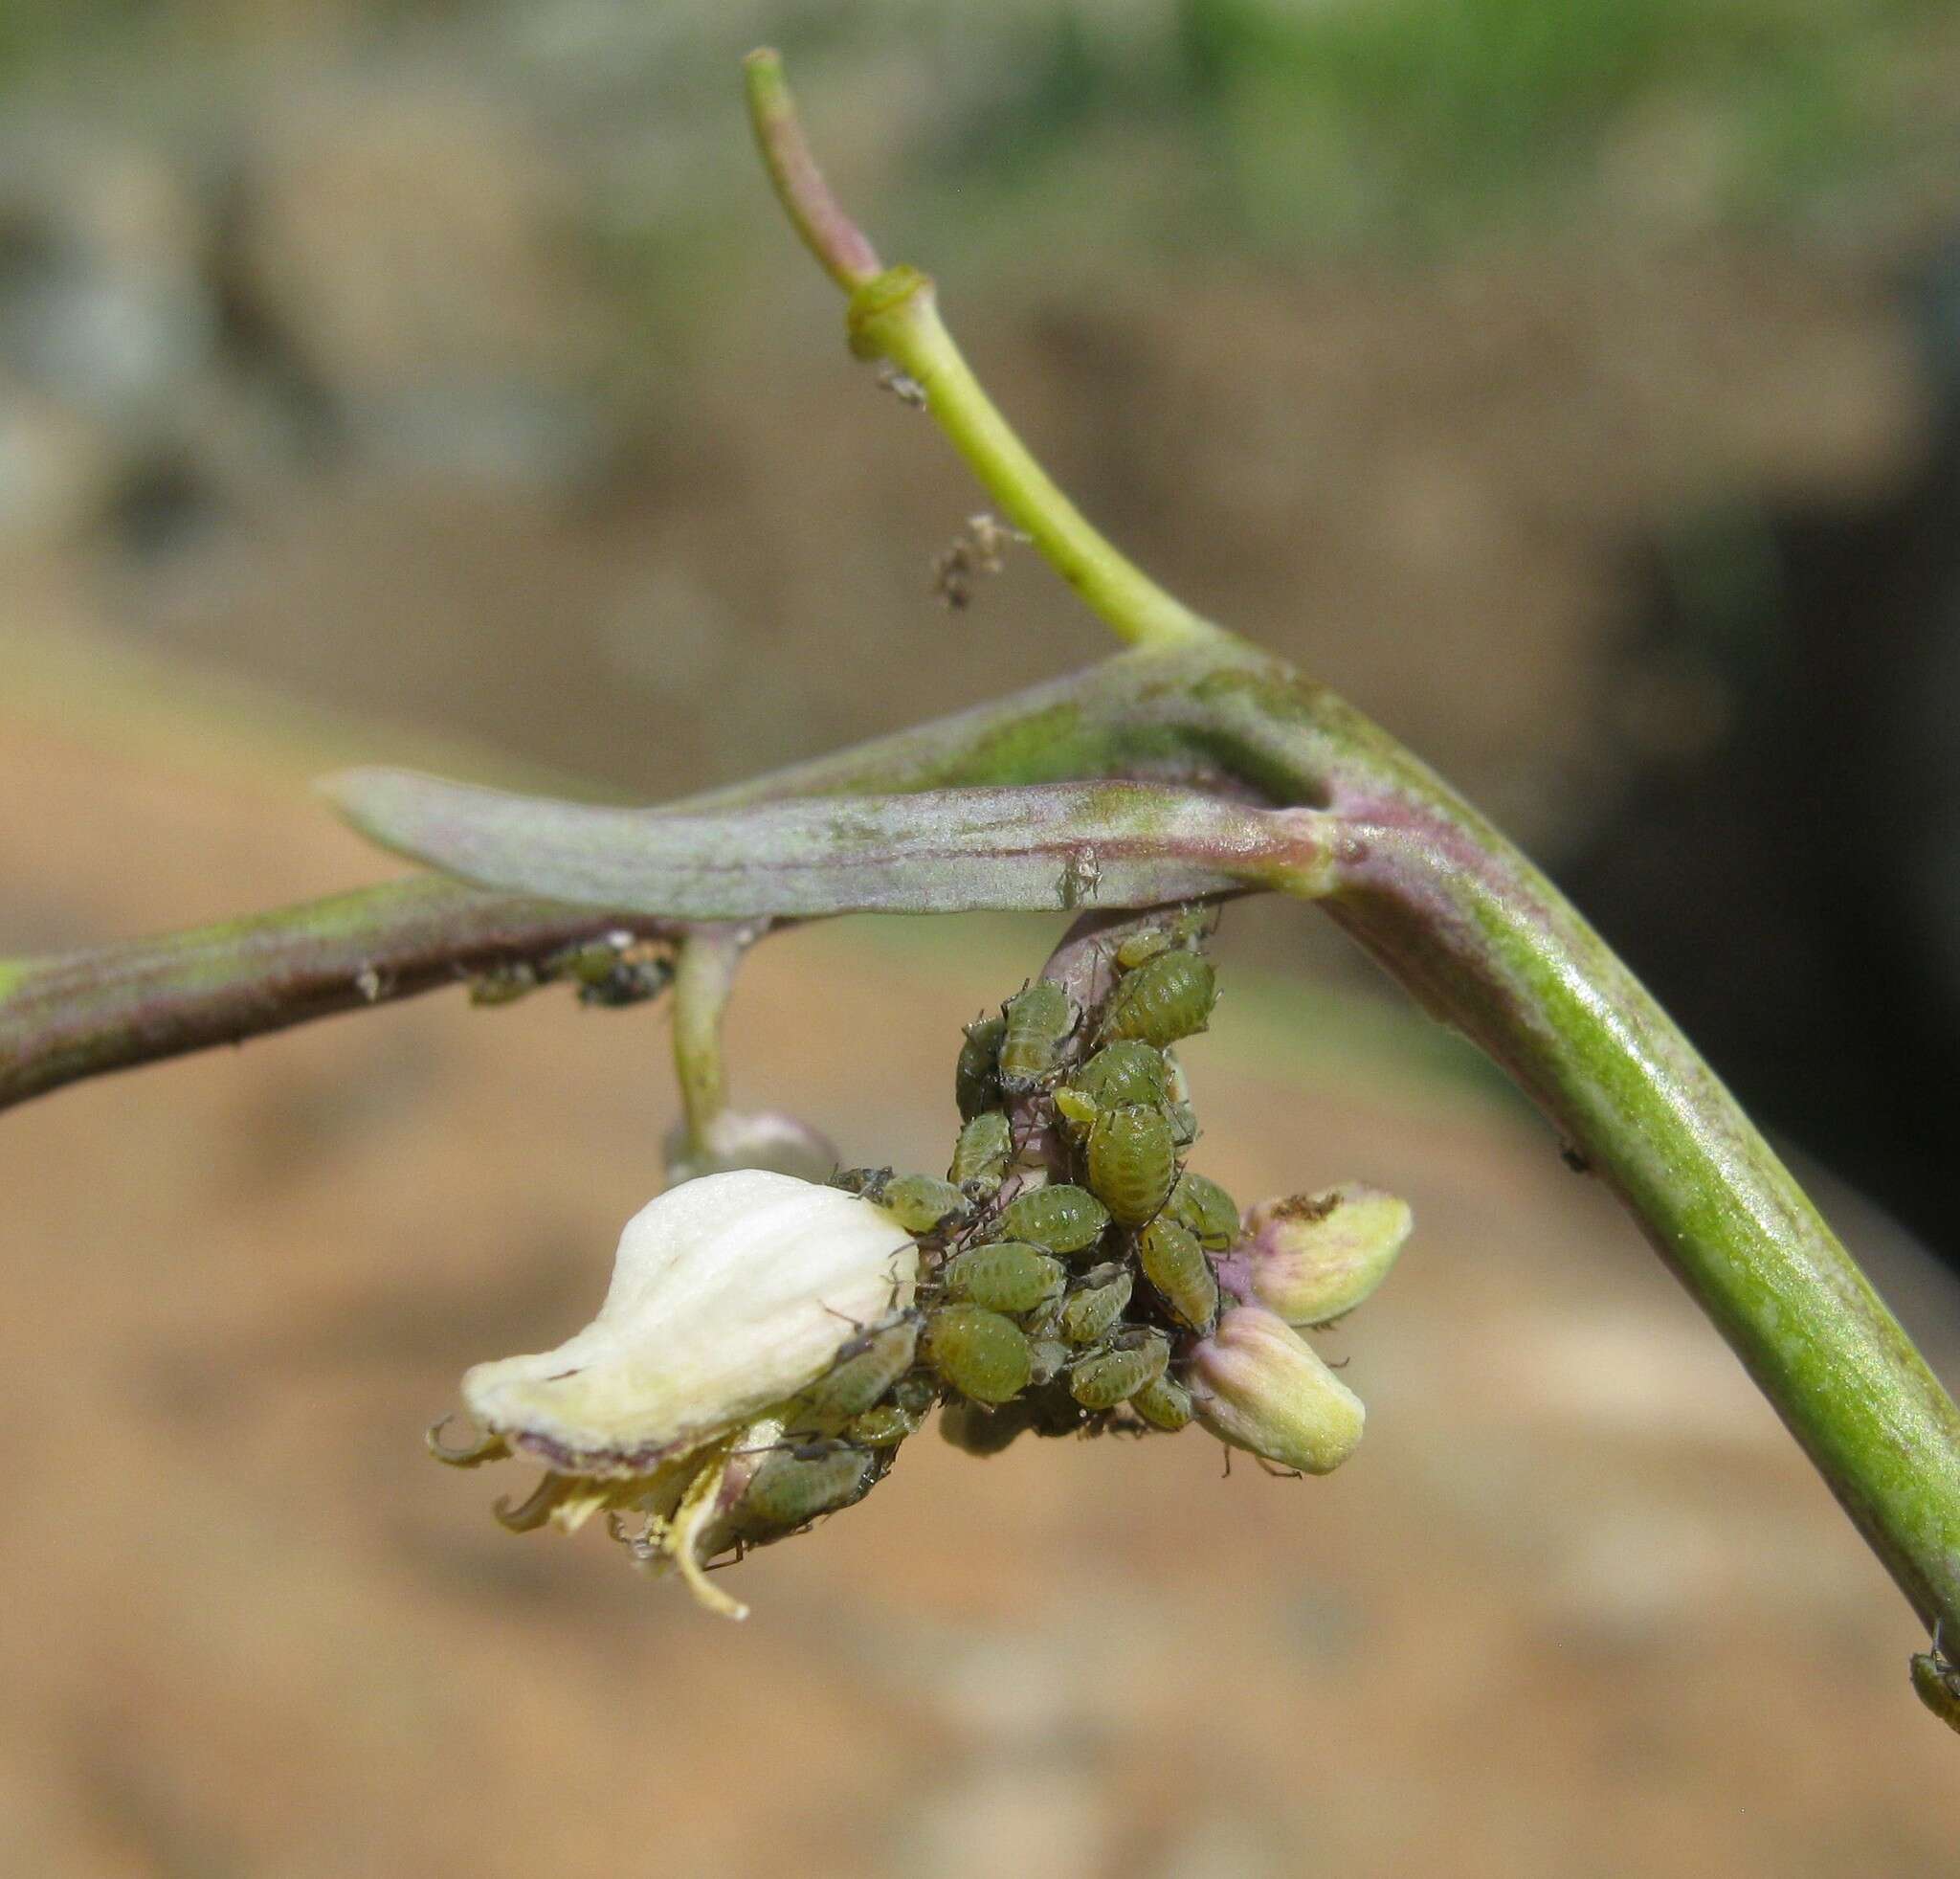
x,y
1088,1311
981,1154
980,1353
1062,1217
1132,1162
801,1482
1006,1276
865,1369
1200,1204
1039,1019
1102,1382
1175,1263
977,1077
1168,998
921,1203
1162,1402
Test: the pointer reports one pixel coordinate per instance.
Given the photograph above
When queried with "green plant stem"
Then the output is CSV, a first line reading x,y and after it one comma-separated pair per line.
x,y
896,318
704,969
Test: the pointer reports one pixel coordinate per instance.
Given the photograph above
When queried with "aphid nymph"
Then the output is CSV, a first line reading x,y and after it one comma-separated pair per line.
x,y
1132,1162
980,1353
1039,1020
1062,1217
1168,999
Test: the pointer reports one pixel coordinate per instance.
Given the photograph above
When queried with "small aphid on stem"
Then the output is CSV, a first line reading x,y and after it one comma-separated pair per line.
x,y
979,549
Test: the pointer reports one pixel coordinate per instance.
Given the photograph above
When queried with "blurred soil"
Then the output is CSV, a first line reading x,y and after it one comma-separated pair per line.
x,y
1578,1606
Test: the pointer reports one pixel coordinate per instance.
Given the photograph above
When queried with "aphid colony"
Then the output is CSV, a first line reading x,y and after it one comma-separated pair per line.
x,y
768,1342
1065,1258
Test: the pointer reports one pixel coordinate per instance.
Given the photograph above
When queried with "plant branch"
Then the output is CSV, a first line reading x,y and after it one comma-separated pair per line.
x,y
110,1008
115,1006
894,316
841,248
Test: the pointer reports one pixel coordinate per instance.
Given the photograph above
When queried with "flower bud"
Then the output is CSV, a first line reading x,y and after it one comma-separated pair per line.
x,y
729,1294
1256,1383
1311,1256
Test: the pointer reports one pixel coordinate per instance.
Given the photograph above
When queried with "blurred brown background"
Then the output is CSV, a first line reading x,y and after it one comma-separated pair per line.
x,y
1570,385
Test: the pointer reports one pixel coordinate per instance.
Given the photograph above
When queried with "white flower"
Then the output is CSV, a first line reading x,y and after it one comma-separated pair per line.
x,y
730,1294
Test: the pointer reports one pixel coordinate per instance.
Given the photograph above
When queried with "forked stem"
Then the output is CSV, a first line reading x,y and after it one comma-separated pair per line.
x,y
894,317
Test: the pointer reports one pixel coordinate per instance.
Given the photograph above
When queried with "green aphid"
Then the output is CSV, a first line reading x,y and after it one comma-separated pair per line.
x,y
982,1431
1175,1263
1075,1109
1140,947
1206,1209
1937,1678
1168,998
1089,1310
1039,1020
916,1392
1162,1402
1188,930
798,1484
1006,1276
864,1369
867,1181
504,985
1102,1382
1044,1321
981,1154
920,1203
980,1353
977,1077
1132,1162
1051,1358
1123,1073
1062,1218
883,1425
